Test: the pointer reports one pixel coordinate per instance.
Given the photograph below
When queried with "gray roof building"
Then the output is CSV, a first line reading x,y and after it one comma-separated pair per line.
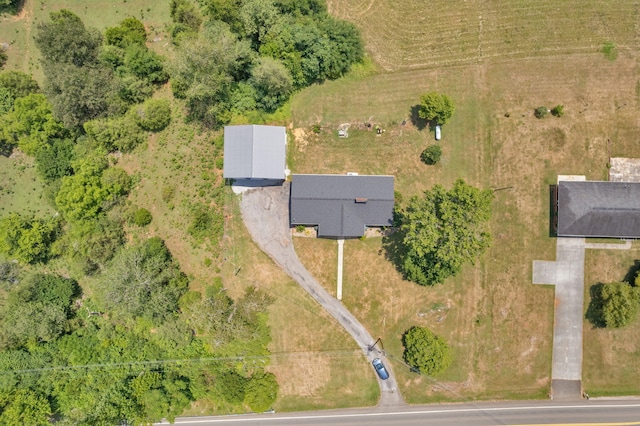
x,y
341,205
254,152
598,209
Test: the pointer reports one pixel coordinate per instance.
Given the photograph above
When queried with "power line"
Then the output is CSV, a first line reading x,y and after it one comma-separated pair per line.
x,y
337,353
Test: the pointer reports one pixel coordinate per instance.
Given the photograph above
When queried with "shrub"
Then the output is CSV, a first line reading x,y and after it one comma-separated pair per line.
x,y
431,155
142,217
153,115
425,351
557,111
541,112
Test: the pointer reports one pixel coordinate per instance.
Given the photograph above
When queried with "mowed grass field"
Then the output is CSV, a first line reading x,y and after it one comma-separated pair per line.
x,y
497,322
424,33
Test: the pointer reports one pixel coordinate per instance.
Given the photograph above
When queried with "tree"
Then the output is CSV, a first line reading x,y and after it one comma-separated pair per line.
x,y
185,16
120,133
143,281
90,244
18,84
273,83
79,94
204,70
27,239
53,161
614,304
25,407
431,155
153,115
442,230
78,85
92,189
144,64
130,31
435,108
31,124
261,391
425,351
65,40
258,17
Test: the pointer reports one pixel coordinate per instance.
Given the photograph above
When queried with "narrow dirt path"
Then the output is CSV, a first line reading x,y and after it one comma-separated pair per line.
x,y
265,212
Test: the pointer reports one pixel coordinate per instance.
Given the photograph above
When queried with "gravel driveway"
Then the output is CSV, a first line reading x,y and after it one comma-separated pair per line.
x,y
265,212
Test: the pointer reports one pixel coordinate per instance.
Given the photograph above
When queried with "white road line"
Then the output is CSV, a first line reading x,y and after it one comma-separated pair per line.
x,y
242,418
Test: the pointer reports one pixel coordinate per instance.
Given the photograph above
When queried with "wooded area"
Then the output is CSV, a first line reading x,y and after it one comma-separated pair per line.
x,y
135,343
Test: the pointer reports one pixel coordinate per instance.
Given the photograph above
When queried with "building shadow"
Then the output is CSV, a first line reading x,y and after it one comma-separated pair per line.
x,y
553,210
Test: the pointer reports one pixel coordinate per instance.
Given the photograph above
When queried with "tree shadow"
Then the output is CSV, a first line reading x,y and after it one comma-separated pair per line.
x,y
416,120
632,273
14,8
594,311
6,149
394,249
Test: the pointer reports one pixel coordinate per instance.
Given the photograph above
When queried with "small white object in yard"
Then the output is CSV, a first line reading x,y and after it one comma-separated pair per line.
x,y
352,174
438,132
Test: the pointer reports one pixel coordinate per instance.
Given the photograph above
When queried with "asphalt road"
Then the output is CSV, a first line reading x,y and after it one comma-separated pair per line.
x,y
609,412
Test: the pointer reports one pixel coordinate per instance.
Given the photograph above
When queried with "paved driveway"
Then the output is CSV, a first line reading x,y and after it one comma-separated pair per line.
x,y
567,273
265,212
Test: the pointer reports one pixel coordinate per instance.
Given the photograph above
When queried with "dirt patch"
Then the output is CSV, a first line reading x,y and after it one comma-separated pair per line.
x,y
301,138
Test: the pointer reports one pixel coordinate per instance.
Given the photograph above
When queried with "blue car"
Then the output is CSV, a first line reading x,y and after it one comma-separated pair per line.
x,y
379,366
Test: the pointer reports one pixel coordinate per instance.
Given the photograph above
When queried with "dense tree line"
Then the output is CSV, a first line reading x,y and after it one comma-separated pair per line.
x,y
107,355
252,54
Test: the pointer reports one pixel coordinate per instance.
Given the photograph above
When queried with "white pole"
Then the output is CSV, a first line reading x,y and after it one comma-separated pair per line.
x,y
340,255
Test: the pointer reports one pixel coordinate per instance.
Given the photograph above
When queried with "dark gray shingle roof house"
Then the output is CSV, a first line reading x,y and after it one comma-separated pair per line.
x,y
254,152
341,205
598,209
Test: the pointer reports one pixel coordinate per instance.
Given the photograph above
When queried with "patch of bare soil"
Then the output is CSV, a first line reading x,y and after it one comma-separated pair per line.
x,y
301,138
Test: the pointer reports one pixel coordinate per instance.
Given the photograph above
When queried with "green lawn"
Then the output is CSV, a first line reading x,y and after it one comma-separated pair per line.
x,y
493,315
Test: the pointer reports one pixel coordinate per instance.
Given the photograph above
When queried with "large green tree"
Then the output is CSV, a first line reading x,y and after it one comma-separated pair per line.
x,y
30,124
27,239
425,351
436,108
65,40
614,304
143,281
442,230
261,391
79,86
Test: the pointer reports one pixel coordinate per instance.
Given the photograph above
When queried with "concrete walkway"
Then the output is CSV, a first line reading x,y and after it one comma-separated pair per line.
x,y
340,267
567,274
265,212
